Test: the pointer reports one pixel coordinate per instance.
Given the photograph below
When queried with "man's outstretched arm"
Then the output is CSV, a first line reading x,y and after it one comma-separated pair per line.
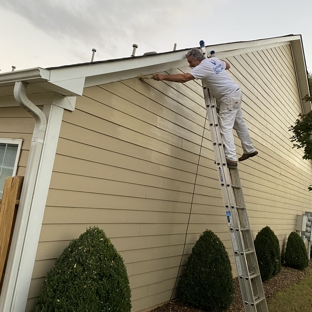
x,y
227,65
175,78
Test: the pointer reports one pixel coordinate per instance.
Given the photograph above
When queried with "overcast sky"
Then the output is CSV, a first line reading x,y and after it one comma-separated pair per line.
x,y
45,33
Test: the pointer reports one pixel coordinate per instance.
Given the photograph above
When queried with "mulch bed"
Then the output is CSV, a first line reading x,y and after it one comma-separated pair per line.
x,y
283,280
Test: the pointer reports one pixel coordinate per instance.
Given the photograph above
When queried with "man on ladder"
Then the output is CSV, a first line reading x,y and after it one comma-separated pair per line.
x,y
217,85
229,97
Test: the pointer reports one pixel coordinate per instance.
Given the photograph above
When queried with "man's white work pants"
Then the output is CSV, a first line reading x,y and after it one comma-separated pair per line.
x,y
231,117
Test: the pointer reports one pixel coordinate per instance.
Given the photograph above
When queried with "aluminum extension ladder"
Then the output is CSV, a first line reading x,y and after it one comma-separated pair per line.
x,y
242,240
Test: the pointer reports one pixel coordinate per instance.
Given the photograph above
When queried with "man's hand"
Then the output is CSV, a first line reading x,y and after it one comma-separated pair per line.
x,y
158,77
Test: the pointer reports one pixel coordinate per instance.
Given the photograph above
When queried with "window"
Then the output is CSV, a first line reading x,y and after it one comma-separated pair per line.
x,y
9,156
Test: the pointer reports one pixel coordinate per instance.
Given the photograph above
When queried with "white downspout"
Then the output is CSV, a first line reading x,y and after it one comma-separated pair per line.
x,y
22,227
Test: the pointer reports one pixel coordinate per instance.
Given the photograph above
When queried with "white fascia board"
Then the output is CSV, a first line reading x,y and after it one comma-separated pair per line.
x,y
167,66
251,44
116,70
70,80
39,78
234,52
132,73
101,68
112,67
301,72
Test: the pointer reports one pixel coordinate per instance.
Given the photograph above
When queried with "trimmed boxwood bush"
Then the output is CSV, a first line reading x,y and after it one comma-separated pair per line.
x,y
207,282
268,253
296,254
88,276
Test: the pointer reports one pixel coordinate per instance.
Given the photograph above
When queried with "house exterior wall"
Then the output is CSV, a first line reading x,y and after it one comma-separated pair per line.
x,y
128,161
16,123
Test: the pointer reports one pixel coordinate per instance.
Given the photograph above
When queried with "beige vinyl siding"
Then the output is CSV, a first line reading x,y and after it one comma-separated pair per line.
x,y
131,171
16,123
275,183
127,161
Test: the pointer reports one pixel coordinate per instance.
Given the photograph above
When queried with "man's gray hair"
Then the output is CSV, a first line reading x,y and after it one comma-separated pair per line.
x,y
195,54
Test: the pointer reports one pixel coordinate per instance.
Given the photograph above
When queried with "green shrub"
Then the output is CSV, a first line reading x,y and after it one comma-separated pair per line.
x,y
296,254
88,276
207,282
268,253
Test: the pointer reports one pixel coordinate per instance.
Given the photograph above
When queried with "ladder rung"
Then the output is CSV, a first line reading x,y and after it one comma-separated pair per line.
x,y
236,187
239,207
254,275
248,252
245,229
257,300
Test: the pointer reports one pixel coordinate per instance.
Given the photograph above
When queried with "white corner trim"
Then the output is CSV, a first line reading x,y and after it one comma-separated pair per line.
x,y
23,249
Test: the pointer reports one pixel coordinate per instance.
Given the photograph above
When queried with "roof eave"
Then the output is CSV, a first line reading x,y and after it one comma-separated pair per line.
x,y
70,80
39,81
120,69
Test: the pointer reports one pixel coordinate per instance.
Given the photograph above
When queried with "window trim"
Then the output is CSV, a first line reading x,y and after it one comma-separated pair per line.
x,y
19,143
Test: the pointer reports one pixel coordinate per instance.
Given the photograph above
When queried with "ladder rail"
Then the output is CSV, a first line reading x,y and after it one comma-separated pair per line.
x,y
241,237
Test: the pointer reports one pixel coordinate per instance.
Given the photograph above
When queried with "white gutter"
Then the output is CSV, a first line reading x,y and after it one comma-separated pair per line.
x,y
30,75
21,236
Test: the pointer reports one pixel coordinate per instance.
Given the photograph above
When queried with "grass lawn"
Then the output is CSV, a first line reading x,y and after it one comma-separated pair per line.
x,y
297,297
